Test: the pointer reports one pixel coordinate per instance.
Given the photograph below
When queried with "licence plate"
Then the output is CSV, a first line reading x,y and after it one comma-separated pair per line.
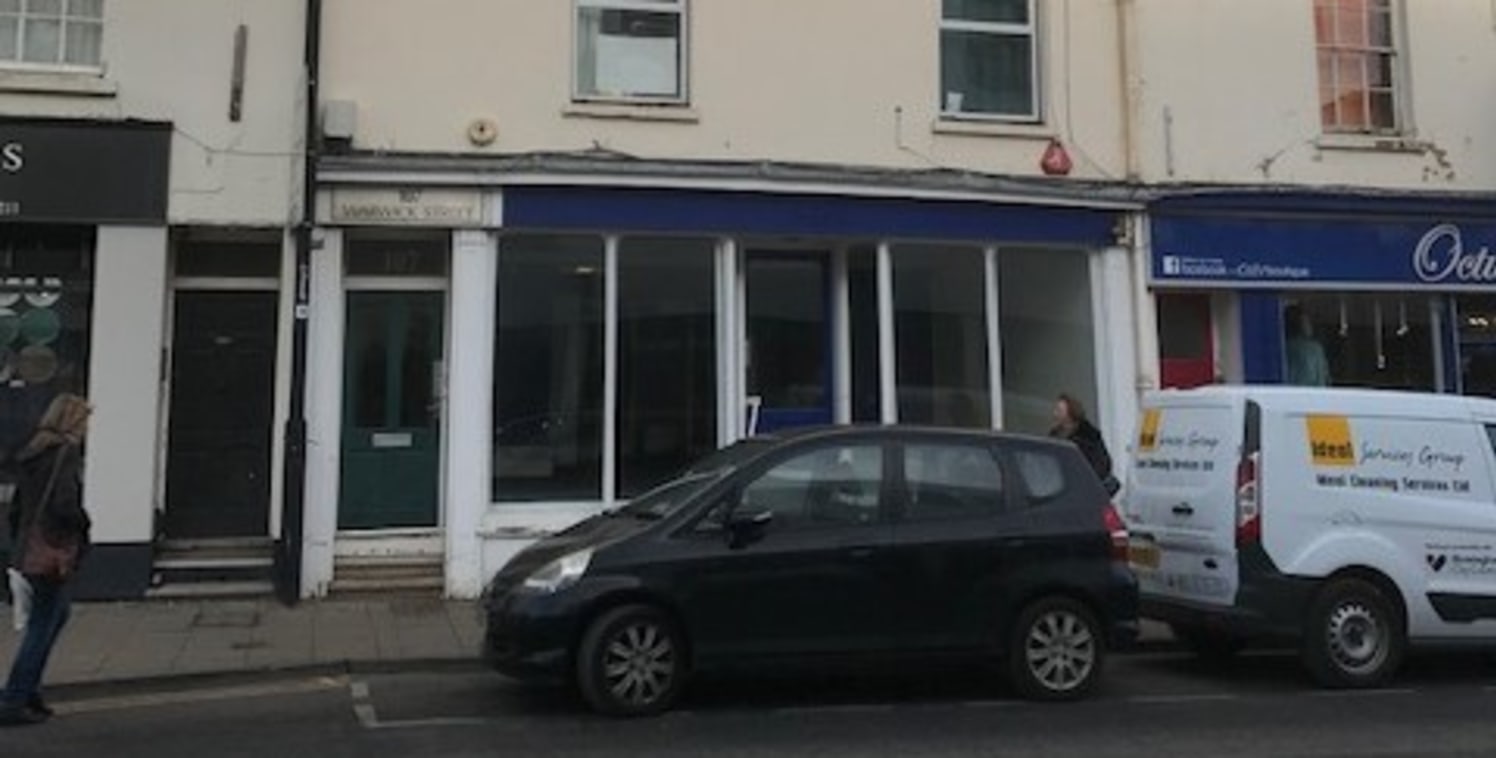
x,y
1143,556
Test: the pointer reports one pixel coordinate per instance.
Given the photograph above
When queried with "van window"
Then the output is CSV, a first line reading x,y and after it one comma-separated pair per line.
x,y
1043,474
947,482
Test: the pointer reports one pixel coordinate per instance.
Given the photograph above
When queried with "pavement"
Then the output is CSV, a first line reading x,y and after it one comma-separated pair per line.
x,y
142,641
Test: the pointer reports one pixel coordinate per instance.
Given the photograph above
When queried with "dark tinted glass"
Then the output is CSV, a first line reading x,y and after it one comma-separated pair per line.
x,y
947,482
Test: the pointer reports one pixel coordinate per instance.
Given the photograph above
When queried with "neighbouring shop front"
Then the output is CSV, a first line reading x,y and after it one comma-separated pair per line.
x,y
82,209
588,342
1336,290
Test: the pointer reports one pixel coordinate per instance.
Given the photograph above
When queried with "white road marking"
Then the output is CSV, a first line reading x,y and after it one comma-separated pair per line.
x,y
161,699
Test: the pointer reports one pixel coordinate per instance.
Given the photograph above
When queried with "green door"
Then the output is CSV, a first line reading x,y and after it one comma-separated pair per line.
x,y
391,410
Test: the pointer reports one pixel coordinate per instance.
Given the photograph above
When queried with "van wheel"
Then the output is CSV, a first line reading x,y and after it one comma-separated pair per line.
x,y
1354,637
631,662
1056,652
1209,644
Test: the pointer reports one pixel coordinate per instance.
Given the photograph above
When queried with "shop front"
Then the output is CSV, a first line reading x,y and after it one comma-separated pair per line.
x,y
599,339
1355,291
83,247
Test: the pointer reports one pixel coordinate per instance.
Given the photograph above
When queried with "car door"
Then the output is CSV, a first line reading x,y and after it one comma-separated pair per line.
x,y
815,581
954,535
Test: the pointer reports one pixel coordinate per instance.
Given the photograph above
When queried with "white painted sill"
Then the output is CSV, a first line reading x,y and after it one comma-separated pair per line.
x,y
1371,143
66,83
663,112
1000,129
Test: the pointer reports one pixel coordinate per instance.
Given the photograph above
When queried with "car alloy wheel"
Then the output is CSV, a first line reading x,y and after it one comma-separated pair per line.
x,y
1057,651
631,662
639,664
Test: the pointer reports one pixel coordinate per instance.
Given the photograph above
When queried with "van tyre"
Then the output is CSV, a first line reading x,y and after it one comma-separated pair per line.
x,y
1209,644
1056,651
631,662
1354,637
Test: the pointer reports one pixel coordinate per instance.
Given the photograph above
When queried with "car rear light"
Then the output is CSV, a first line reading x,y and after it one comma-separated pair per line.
x,y
1116,529
1249,500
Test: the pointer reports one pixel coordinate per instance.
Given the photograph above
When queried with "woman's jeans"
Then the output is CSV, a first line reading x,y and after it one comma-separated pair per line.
x,y
50,608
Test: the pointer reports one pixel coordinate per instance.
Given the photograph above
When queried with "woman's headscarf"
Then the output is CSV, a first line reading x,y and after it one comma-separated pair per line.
x,y
65,422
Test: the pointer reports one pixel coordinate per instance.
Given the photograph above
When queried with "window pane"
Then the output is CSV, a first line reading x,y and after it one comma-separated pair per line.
x,y
549,369
862,290
1043,474
419,363
667,359
367,317
788,330
9,30
1383,110
941,336
1382,341
42,41
951,482
1048,342
1184,326
1477,331
625,53
86,8
1380,28
44,7
84,39
838,486
416,256
1351,23
1005,11
10,6
1324,22
987,73
229,258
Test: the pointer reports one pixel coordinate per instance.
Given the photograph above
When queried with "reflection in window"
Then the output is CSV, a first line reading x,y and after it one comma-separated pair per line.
x,y
951,482
1381,341
862,292
838,486
548,369
367,314
1048,339
418,366
1043,474
788,330
628,51
940,308
667,372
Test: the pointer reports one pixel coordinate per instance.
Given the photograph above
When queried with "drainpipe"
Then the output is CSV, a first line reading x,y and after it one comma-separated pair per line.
x,y
1144,322
288,558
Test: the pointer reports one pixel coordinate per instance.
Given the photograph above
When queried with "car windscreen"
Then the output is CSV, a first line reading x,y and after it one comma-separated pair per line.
x,y
665,498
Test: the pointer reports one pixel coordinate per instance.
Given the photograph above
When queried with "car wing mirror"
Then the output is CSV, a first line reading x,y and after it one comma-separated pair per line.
x,y
747,525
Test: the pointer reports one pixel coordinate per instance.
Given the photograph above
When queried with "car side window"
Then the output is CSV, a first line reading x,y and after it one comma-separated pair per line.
x,y
833,486
1043,474
950,482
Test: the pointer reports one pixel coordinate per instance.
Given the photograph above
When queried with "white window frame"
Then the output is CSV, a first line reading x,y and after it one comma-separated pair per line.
x,y
996,28
67,20
683,53
1400,74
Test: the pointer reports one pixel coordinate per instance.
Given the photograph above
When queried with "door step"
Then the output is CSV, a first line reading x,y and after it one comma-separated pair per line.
x,y
389,574
213,568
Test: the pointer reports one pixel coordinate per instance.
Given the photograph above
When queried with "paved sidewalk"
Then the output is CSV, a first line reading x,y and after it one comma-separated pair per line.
x,y
121,642
112,642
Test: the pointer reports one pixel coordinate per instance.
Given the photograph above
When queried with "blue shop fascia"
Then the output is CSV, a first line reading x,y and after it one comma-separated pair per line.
x,y
1394,291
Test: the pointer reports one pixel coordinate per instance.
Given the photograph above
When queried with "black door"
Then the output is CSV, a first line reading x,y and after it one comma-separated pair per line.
x,y
816,582
957,545
222,401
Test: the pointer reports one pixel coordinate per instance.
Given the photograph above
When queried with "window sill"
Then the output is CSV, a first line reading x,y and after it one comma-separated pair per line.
x,y
1371,143
664,112
56,83
1010,130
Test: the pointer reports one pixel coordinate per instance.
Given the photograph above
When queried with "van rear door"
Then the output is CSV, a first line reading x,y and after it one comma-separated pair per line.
x,y
1181,496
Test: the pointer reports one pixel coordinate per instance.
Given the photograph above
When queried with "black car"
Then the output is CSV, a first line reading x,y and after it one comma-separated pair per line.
x,y
846,544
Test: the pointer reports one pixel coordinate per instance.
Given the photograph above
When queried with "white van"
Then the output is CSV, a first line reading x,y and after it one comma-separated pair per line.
x,y
1352,522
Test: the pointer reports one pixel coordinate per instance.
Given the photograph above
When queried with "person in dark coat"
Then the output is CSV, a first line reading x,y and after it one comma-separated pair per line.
x,y
1071,424
48,498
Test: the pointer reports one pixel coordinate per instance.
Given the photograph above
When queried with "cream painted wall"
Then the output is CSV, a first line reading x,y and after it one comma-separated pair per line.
x,y
172,60
1239,82
830,81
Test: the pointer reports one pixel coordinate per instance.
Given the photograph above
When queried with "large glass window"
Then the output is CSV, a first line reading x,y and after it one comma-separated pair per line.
x,y
549,369
631,49
1476,319
1048,334
862,291
51,32
940,308
667,359
1383,341
1358,76
988,60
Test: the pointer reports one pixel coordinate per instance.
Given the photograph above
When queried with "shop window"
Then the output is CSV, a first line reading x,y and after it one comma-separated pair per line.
x,y
862,291
667,359
1358,65
1476,319
1048,334
228,258
548,372
1382,341
940,307
51,33
989,66
631,50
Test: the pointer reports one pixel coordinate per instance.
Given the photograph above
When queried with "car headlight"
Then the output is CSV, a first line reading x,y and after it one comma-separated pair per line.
x,y
560,573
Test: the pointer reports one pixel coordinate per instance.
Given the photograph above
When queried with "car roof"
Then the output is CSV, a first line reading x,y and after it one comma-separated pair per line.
x,y
894,431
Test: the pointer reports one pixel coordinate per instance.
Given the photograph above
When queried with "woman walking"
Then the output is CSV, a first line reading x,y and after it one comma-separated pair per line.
x,y
49,537
1071,424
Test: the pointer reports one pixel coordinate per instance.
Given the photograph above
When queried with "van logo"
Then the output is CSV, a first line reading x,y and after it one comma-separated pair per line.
x,y
1148,435
1330,441
1436,562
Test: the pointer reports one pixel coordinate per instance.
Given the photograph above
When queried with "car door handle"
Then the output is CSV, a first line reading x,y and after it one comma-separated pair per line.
x,y
1183,509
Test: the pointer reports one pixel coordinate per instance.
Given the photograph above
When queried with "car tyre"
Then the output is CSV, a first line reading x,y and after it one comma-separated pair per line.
x,y
1056,652
631,662
1209,644
1354,637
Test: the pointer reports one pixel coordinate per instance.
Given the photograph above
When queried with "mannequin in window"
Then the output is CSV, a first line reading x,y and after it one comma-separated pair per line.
x,y
1307,364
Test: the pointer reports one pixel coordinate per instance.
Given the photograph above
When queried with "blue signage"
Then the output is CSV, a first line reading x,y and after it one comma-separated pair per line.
x,y
1284,253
